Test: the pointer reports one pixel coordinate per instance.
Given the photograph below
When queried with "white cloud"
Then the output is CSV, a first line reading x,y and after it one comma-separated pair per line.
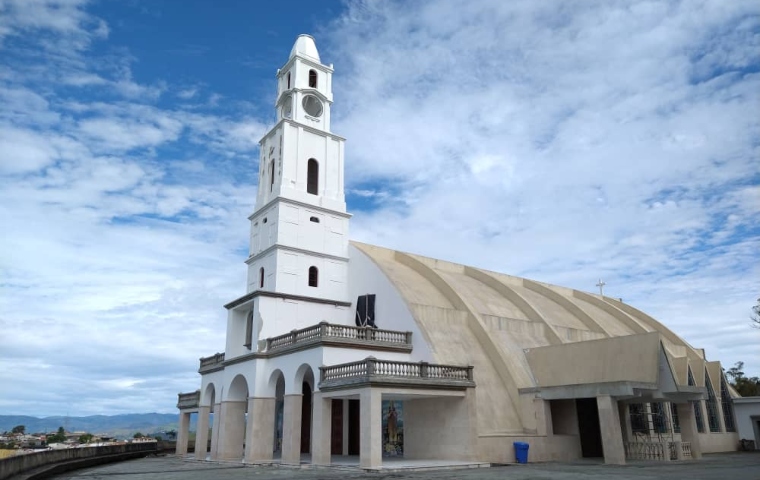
x,y
559,142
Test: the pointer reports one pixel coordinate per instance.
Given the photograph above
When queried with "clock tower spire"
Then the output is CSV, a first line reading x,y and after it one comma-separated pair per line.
x,y
298,255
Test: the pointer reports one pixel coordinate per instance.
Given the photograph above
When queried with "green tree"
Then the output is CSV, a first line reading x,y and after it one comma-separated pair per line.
x,y
86,438
744,386
138,435
58,437
19,429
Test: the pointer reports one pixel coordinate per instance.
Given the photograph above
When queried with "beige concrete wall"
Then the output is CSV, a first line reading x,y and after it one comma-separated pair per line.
x,y
555,448
718,442
630,358
564,417
440,428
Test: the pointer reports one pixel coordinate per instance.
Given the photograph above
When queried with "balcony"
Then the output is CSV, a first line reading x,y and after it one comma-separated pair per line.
x,y
375,372
321,335
189,400
211,364
348,336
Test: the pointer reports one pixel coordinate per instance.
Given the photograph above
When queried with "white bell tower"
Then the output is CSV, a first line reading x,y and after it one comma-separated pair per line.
x,y
298,259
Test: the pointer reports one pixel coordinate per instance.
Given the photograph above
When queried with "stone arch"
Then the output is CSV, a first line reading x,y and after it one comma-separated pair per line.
x,y
238,389
209,396
270,388
305,384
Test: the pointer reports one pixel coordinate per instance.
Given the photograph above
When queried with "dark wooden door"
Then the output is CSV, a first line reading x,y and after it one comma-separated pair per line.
x,y
336,428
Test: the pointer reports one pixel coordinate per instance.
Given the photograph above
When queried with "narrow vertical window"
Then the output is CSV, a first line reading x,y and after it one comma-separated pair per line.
x,y
313,276
261,277
712,406
674,416
728,407
312,177
312,79
288,80
249,330
696,404
271,175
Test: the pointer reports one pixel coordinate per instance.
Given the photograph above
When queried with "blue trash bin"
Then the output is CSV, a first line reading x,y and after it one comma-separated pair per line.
x,y
521,452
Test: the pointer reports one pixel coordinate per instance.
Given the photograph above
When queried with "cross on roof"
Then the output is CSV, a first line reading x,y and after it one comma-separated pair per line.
x,y
601,285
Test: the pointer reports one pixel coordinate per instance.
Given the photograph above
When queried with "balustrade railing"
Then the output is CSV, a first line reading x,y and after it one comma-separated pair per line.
x,y
372,367
189,400
324,330
646,451
686,449
212,361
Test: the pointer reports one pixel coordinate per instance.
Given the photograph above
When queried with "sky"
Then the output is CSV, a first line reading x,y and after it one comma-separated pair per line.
x,y
565,142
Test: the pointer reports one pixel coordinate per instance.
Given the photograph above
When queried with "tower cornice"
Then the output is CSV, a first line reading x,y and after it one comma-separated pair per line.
x,y
282,199
308,61
302,125
278,246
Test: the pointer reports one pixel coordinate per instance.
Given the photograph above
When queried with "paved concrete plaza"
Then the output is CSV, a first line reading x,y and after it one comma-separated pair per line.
x,y
745,466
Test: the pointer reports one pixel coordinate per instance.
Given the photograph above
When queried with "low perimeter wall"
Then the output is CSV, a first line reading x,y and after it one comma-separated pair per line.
x,y
71,458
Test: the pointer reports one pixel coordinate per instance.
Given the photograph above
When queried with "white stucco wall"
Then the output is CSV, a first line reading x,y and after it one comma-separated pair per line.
x,y
747,412
391,311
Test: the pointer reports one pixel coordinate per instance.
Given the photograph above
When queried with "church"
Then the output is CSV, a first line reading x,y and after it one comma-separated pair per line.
x,y
346,351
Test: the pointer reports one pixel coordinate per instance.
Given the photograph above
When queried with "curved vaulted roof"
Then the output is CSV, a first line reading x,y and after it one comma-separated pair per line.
x,y
488,319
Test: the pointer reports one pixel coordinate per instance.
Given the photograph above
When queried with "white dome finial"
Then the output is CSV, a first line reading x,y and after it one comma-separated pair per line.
x,y
305,46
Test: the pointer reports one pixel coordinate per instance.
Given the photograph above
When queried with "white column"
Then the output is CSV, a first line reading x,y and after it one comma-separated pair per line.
x,y
231,430
259,440
201,433
609,425
321,430
370,419
688,423
215,430
345,427
291,429
183,433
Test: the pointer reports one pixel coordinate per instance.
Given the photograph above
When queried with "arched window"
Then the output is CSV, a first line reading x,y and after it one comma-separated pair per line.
x,y
288,80
314,219
312,78
313,276
312,177
261,277
271,177
249,330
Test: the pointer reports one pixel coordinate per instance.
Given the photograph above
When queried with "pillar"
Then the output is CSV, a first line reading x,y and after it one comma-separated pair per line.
x,y
370,419
345,427
321,430
215,430
259,440
609,425
183,433
543,416
689,431
625,421
201,433
291,429
231,430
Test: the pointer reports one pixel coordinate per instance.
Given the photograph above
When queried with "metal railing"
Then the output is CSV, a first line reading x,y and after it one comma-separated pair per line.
x,y
646,450
372,367
325,331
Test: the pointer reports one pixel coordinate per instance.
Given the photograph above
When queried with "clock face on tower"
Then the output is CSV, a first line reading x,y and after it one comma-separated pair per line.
x,y
312,105
287,108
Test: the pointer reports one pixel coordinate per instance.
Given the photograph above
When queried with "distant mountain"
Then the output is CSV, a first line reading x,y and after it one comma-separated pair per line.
x,y
124,425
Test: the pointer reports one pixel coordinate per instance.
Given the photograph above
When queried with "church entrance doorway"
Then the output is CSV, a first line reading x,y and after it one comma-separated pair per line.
x,y
588,427
353,427
336,427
